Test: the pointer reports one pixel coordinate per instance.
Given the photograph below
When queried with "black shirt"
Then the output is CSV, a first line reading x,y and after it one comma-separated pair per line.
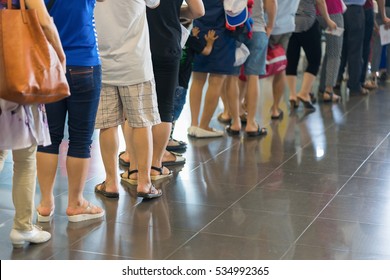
x,y
164,29
193,46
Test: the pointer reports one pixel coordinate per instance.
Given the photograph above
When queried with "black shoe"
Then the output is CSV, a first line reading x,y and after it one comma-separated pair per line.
x,y
306,104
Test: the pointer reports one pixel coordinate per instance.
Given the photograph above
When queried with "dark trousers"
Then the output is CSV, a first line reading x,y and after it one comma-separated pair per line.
x,y
352,52
310,41
368,29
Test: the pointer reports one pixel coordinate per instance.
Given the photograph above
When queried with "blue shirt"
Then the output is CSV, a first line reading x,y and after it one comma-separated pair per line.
x,y
354,2
76,25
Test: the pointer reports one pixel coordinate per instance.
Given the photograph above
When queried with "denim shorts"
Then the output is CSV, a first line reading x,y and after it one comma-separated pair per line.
x,y
257,45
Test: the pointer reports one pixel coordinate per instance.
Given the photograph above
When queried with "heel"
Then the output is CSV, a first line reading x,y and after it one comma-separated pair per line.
x,y
307,104
44,219
293,104
18,245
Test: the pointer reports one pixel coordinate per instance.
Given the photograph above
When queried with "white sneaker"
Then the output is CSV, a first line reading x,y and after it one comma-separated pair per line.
x,y
192,130
36,235
203,133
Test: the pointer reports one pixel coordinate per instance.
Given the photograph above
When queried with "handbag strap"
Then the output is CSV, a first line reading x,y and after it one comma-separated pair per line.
x,y
22,4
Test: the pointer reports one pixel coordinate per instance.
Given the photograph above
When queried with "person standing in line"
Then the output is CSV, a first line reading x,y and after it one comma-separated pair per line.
x,y
334,44
254,66
165,39
75,22
213,68
307,35
128,91
283,28
23,128
352,51
194,45
376,55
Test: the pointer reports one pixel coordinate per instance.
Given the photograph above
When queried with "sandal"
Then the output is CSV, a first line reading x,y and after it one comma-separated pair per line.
x,y
102,191
127,178
371,84
179,146
122,161
87,215
332,97
153,193
293,103
161,175
43,218
223,120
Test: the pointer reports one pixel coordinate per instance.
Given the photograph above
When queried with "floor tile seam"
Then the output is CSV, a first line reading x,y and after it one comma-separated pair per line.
x,y
285,242
224,211
353,222
368,198
338,191
92,252
299,191
378,161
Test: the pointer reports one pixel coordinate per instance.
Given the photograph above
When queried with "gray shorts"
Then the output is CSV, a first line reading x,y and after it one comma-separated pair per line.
x,y
281,39
136,103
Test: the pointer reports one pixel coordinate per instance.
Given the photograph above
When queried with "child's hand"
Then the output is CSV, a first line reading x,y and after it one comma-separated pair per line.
x,y
210,36
195,31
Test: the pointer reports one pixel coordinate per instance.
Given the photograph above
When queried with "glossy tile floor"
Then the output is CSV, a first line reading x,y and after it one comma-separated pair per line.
x,y
316,187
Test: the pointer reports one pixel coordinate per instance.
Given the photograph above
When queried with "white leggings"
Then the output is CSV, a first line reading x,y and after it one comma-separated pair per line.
x,y
23,185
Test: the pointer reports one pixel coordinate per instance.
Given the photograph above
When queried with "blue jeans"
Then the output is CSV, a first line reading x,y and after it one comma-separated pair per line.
x,y
179,99
81,108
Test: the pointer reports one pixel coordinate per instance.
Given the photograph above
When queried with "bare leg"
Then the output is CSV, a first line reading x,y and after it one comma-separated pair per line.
x,y
243,87
292,86
278,86
198,81
77,174
252,99
233,101
161,134
225,100
213,93
142,144
46,171
307,84
126,156
109,143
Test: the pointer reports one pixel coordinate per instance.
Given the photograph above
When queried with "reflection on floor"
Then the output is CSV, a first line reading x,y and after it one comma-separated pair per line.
x,y
316,187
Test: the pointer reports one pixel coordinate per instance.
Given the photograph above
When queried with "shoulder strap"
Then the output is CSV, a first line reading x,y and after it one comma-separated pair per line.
x,y
50,5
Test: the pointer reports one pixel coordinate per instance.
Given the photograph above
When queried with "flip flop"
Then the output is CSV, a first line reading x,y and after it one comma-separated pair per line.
x,y
122,161
179,159
223,120
260,132
85,216
103,191
232,132
45,219
278,117
161,175
153,193
180,147
127,178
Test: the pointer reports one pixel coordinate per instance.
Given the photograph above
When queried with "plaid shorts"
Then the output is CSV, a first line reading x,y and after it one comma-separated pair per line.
x,y
136,103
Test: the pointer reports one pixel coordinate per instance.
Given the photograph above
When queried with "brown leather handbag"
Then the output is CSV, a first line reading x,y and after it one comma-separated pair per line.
x,y
30,70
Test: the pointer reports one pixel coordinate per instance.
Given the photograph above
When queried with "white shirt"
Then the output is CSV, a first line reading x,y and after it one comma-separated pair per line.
x,y
285,17
123,39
